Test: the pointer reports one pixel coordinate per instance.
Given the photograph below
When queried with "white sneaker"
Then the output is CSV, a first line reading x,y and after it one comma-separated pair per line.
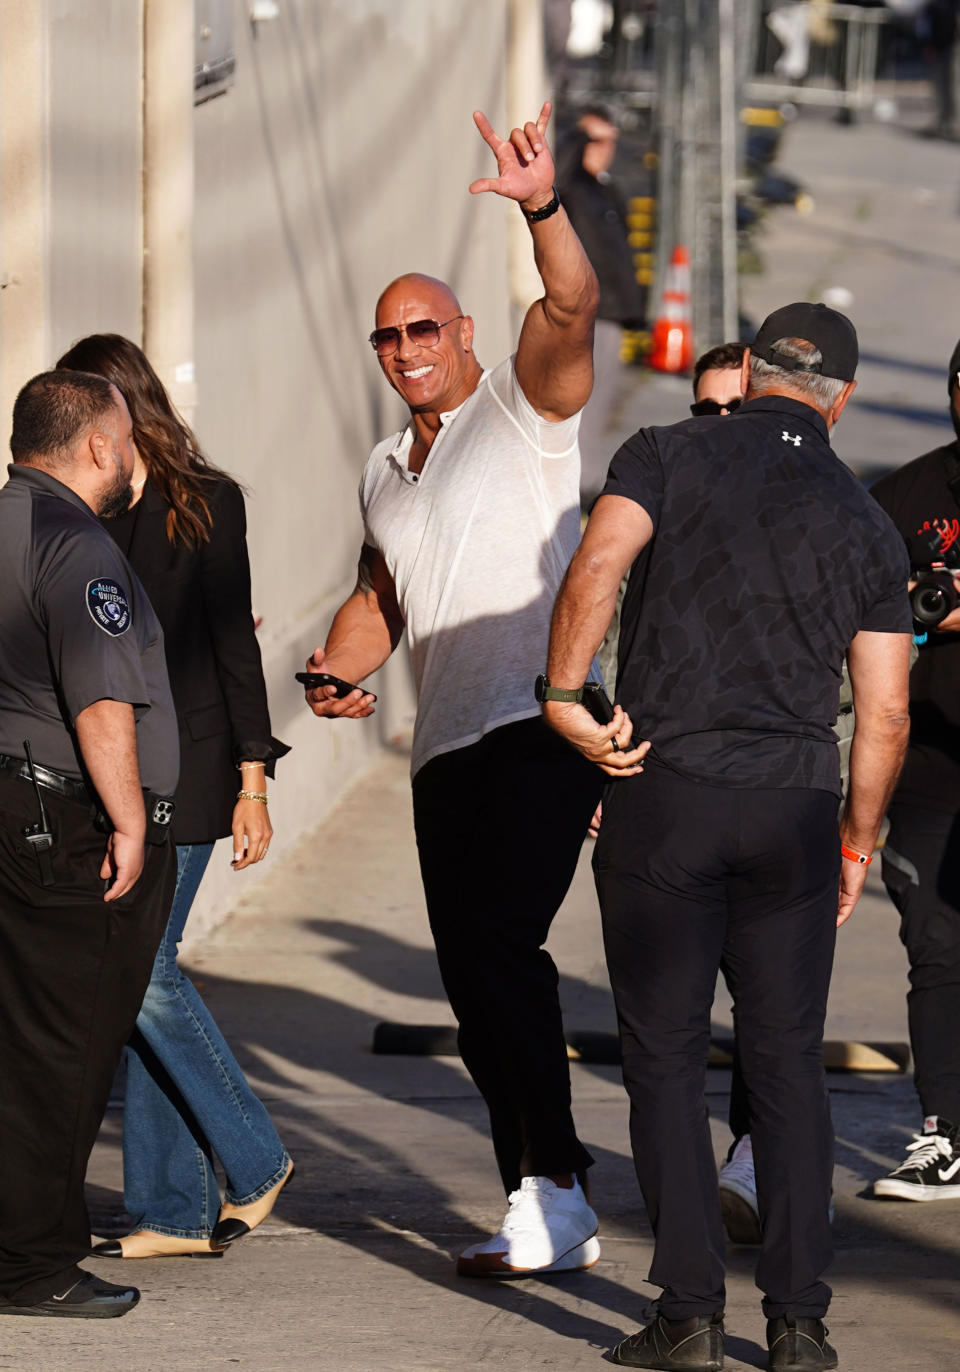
x,y
738,1195
548,1228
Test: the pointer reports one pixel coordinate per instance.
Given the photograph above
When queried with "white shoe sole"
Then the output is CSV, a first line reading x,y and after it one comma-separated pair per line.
x,y
913,1191
576,1260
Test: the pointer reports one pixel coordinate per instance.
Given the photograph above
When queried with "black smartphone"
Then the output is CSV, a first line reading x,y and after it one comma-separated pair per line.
x,y
310,681
596,700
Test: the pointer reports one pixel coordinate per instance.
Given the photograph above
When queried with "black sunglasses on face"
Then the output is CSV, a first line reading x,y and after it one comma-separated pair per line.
x,y
702,407
424,333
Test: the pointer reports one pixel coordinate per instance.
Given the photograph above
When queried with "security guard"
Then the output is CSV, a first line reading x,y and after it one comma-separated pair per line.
x,y
88,755
758,561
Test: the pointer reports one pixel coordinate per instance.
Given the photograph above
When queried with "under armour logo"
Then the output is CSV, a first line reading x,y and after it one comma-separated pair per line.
x,y
795,439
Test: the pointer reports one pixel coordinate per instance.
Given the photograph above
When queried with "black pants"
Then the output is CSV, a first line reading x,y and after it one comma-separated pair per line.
x,y
499,828
921,871
73,971
689,875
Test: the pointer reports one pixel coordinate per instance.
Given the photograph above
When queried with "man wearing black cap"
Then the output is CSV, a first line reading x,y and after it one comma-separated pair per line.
x,y
921,857
758,561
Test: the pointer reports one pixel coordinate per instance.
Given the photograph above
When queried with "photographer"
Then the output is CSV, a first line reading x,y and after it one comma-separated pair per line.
x,y
921,857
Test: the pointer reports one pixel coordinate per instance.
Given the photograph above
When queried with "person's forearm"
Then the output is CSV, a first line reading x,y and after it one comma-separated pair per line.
x,y
360,639
584,608
876,757
571,292
107,735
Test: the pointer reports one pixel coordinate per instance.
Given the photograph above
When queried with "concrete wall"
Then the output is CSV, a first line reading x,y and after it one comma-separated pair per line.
x,y
70,194
338,158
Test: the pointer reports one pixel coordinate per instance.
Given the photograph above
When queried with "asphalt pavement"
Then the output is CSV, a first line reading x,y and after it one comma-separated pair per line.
x,y
395,1174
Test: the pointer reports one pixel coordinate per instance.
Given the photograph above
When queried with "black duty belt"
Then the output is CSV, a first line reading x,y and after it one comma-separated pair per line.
x,y
159,808
68,787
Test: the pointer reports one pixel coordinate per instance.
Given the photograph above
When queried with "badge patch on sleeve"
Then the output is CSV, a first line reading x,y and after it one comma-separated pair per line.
x,y
107,603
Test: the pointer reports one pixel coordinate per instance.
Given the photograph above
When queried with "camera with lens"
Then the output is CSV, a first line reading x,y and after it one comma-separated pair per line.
x,y
934,595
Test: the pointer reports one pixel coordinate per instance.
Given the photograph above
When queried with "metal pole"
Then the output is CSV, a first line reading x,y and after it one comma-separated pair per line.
x,y
669,62
728,167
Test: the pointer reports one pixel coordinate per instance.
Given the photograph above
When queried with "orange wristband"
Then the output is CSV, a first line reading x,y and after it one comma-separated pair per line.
x,y
851,854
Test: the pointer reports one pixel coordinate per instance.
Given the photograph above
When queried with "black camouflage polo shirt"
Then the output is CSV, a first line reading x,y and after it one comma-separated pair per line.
x,y
767,557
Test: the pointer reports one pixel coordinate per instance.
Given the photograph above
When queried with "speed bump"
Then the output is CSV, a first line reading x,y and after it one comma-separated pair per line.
x,y
603,1049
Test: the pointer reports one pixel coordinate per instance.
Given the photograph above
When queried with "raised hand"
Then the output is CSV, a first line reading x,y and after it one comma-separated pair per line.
x,y
523,161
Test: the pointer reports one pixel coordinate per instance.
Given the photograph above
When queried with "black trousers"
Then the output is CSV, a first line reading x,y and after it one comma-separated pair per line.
x,y
73,971
921,871
499,828
689,875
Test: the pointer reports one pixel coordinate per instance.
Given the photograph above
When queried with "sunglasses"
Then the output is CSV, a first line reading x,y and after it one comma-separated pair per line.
x,y
423,333
702,407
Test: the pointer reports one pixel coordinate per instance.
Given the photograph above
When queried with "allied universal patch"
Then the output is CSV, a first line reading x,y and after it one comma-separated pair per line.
x,y
107,603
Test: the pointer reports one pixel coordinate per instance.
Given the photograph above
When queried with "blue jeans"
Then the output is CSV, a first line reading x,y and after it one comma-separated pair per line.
x,y
187,1099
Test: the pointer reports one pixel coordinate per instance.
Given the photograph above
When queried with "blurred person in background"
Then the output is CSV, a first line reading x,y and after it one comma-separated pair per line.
x,y
598,213
187,1101
937,31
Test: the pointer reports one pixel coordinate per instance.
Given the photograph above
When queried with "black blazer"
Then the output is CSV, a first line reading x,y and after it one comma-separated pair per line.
x,y
202,599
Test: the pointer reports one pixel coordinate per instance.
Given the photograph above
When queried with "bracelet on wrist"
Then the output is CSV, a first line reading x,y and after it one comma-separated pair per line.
x,y
246,766
551,207
851,854
260,796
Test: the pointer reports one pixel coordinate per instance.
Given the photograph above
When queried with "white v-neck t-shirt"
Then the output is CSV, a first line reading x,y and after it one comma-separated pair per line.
x,y
477,545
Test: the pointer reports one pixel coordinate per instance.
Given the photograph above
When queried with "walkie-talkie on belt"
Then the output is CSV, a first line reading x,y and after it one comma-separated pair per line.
x,y
39,835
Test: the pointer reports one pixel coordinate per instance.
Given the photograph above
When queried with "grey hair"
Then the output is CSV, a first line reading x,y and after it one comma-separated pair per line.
x,y
820,391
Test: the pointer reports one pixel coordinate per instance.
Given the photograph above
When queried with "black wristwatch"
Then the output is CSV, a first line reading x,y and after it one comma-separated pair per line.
x,y
542,691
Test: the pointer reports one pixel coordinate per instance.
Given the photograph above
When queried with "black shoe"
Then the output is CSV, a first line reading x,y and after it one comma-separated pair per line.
x,y
89,1298
798,1343
931,1169
695,1344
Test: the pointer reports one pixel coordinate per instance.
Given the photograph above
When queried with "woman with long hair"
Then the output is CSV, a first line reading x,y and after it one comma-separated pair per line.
x,y
187,1100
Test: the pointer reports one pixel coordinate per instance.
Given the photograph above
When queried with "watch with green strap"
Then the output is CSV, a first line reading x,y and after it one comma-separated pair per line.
x,y
542,691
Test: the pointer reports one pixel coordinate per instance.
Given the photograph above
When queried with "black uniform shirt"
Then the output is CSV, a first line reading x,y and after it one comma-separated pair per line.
x,y
918,500
75,627
767,557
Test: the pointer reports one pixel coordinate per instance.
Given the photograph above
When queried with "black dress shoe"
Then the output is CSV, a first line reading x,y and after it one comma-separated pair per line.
x,y
798,1343
695,1345
88,1298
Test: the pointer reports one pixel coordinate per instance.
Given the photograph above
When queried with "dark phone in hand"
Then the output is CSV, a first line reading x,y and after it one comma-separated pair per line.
x,y
596,700
311,681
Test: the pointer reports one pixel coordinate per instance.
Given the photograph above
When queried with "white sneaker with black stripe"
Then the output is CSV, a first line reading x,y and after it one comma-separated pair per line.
x,y
931,1169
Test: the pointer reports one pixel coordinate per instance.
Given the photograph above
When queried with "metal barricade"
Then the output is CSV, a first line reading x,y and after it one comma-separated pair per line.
x,y
840,74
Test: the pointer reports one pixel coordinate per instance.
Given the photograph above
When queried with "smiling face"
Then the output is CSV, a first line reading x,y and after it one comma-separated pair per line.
x,y
432,379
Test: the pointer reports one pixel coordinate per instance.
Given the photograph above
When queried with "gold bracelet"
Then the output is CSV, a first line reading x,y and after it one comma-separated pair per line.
x,y
253,795
244,766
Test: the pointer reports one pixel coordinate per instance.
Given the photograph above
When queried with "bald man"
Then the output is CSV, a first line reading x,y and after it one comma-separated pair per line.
x,y
471,515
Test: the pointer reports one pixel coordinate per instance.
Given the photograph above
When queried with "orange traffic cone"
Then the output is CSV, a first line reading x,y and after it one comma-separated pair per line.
x,y
672,349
